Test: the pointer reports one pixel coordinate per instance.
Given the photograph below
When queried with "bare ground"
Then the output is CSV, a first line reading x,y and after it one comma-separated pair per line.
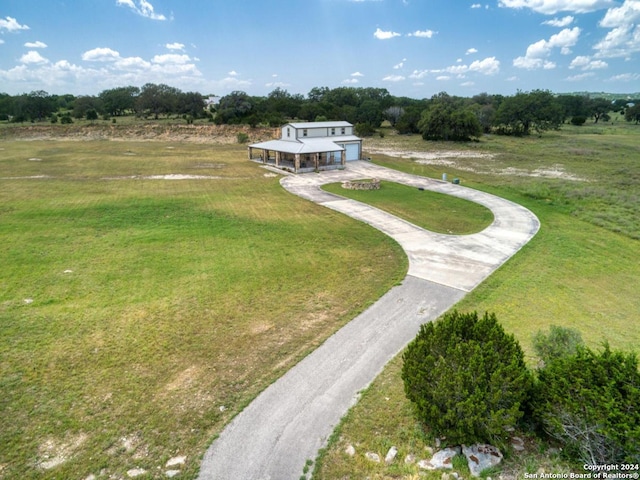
x,y
173,132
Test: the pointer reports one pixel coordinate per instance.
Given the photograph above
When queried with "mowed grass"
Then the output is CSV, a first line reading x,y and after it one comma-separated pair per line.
x,y
578,271
139,315
431,210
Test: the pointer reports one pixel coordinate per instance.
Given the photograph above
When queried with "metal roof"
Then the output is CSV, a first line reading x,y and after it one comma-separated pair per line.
x,y
337,124
307,145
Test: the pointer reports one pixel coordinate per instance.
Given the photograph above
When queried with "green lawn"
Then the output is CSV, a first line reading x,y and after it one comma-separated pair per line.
x,y
578,271
138,315
431,210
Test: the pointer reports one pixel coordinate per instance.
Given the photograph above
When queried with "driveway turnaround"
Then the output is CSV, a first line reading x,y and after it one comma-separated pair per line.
x,y
286,425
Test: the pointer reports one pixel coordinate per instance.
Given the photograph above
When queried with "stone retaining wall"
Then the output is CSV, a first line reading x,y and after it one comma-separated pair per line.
x,y
373,184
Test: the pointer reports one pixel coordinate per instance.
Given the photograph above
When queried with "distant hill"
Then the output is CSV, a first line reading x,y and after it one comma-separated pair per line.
x,y
608,96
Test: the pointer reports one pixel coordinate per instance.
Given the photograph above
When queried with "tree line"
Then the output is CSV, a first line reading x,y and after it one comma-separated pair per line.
x,y
441,117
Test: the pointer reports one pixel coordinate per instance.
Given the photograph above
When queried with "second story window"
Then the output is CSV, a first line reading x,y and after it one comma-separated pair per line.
x,y
333,131
342,131
288,132
304,132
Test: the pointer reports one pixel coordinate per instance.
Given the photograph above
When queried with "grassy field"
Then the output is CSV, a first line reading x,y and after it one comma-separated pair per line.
x,y
139,313
430,210
581,270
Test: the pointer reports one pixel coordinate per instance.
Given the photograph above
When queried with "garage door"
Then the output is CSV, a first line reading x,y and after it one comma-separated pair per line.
x,y
352,151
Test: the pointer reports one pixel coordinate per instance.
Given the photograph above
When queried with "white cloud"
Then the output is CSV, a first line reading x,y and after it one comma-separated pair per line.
x,y
443,77
533,63
382,35
398,66
476,5
132,63
627,13
171,58
233,73
471,51
393,78
277,85
1,41
625,77
551,7
175,46
422,34
33,57
100,55
418,74
580,77
142,7
350,81
537,53
10,24
37,44
624,37
560,22
487,66
586,63
357,74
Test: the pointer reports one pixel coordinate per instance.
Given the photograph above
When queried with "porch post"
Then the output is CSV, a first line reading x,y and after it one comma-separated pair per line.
x,y
277,158
317,160
296,165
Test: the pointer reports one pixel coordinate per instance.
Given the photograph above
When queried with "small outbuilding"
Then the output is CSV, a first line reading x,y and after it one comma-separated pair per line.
x,y
309,146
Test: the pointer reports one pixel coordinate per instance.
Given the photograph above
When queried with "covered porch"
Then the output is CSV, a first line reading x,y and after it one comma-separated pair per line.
x,y
298,157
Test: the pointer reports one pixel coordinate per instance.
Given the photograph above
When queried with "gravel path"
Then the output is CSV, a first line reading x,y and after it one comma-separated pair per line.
x,y
291,420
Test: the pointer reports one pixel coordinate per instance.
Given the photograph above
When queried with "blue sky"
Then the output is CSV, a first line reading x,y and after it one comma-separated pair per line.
x,y
414,48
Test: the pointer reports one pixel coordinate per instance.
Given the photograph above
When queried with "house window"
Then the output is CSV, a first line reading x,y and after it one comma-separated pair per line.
x,y
342,130
333,131
304,132
288,132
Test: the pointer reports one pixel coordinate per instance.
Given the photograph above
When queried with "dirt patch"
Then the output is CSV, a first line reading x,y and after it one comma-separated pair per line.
x,y
142,131
476,162
555,171
442,157
53,452
171,176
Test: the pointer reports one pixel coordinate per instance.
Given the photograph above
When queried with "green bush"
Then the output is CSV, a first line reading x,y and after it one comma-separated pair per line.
x,y
590,402
242,137
578,120
364,130
66,119
559,342
467,378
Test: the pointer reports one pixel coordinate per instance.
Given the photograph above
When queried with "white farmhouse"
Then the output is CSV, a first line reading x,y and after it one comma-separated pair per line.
x,y
309,146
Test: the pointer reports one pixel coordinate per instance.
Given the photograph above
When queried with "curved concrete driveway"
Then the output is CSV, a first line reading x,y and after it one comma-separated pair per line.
x,y
291,420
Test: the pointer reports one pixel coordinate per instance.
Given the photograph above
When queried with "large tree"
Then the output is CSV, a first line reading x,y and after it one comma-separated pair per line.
x,y
448,118
117,101
157,99
599,109
632,114
537,110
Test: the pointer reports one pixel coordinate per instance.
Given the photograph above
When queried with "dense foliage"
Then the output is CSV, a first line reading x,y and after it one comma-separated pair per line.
x,y
559,342
590,402
442,117
466,378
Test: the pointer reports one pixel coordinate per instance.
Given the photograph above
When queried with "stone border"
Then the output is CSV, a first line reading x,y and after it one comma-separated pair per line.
x,y
373,184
